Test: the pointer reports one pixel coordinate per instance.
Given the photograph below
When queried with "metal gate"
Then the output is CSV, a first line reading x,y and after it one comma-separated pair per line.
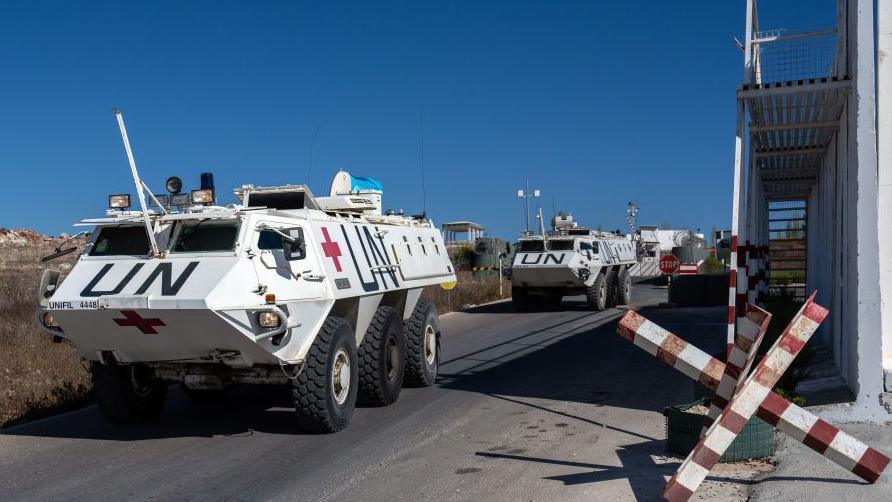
x,y
787,249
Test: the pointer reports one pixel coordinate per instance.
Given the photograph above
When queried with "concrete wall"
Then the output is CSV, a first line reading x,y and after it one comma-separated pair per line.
x,y
884,173
857,317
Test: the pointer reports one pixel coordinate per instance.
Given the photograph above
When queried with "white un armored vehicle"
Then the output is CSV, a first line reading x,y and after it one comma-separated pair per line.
x,y
320,293
571,261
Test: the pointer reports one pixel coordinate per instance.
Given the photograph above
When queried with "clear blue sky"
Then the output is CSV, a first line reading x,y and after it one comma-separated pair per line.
x,y
597,103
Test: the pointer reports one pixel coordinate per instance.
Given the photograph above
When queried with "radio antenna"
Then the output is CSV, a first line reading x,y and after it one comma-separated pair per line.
x,y
310,155
137,181
423,185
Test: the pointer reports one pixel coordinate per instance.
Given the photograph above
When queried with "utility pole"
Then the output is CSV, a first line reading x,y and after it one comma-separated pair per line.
x,y
526,195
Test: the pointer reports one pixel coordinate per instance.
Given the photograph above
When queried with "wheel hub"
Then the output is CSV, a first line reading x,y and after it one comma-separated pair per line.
x,y
393,359
430,345
340,376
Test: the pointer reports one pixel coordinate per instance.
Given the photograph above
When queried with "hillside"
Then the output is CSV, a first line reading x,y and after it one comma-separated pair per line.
x,y
36,375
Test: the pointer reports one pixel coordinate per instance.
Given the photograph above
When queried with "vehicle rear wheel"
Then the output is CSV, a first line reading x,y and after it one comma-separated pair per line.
x,y
624,288
382,359
325,391
596,294
422,346
127,394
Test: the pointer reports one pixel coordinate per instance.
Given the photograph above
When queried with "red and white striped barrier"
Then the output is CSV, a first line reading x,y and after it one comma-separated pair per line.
x,y
751,329
745,403
848,452
688,269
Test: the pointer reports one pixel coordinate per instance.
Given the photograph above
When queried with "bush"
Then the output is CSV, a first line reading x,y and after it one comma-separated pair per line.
x,y
470,289
37,377
711,265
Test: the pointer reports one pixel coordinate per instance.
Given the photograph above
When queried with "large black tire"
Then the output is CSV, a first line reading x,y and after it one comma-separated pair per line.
x,y
612,287
624,287
596,294
324,397
422,346
382,359
128,394
554,299
521,300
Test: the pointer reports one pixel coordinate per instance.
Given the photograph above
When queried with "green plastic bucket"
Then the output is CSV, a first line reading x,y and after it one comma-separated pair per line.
x,y
755,441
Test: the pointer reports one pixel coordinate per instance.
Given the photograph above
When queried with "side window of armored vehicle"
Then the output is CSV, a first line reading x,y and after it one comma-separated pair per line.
x,y
269,240
587,246
206,236
560,245
531,246
121,241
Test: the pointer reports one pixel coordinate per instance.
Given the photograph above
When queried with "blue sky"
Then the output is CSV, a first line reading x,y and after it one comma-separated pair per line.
x,y
595,103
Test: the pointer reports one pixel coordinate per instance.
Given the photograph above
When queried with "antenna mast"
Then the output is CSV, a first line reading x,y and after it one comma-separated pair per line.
x,y
423,185
138,182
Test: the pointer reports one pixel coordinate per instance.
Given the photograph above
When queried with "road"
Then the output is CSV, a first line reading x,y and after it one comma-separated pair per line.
x,y
537,406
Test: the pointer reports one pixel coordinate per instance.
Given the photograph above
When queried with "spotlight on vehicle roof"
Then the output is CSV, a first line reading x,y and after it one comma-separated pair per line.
x,y
174,185
202,196
180,199
119,201
164,200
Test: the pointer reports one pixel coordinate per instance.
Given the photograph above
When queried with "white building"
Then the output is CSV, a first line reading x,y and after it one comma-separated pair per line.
x,y
814,133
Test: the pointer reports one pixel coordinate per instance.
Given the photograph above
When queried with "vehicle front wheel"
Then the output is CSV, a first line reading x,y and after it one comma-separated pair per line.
x,y
127,394
596,294
521,300
325,391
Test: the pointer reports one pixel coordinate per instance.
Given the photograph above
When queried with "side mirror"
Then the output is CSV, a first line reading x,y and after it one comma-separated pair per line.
x,y
296,248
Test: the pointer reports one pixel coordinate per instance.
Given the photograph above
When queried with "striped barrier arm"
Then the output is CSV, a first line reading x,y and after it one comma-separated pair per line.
x,y
751,329
800,424
483,269
745,403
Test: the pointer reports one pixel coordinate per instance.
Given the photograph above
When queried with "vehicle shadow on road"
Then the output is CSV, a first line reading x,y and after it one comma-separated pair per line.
x,y
247,410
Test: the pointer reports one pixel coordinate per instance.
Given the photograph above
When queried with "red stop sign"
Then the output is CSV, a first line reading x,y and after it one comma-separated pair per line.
x,y
669,264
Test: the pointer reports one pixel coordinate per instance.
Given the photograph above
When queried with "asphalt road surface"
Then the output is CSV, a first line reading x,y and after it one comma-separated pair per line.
x,y
537,406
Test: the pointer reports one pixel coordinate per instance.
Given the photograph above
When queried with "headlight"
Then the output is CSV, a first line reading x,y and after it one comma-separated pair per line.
x,y
584,274
49,321
181,199
268,320
162,199
173,185
203,196
119,201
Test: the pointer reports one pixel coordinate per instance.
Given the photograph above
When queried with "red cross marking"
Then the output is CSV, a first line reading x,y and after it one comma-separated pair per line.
x,y
331,249
147,326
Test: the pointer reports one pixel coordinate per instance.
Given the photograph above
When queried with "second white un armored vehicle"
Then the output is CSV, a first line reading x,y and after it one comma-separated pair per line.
x,y
572,261
320,293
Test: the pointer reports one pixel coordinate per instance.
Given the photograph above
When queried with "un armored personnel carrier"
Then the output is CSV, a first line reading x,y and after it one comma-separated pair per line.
x,y
570,261
319,293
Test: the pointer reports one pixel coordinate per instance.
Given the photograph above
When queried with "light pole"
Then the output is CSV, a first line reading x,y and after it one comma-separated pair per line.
x,y
632,217
526,195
